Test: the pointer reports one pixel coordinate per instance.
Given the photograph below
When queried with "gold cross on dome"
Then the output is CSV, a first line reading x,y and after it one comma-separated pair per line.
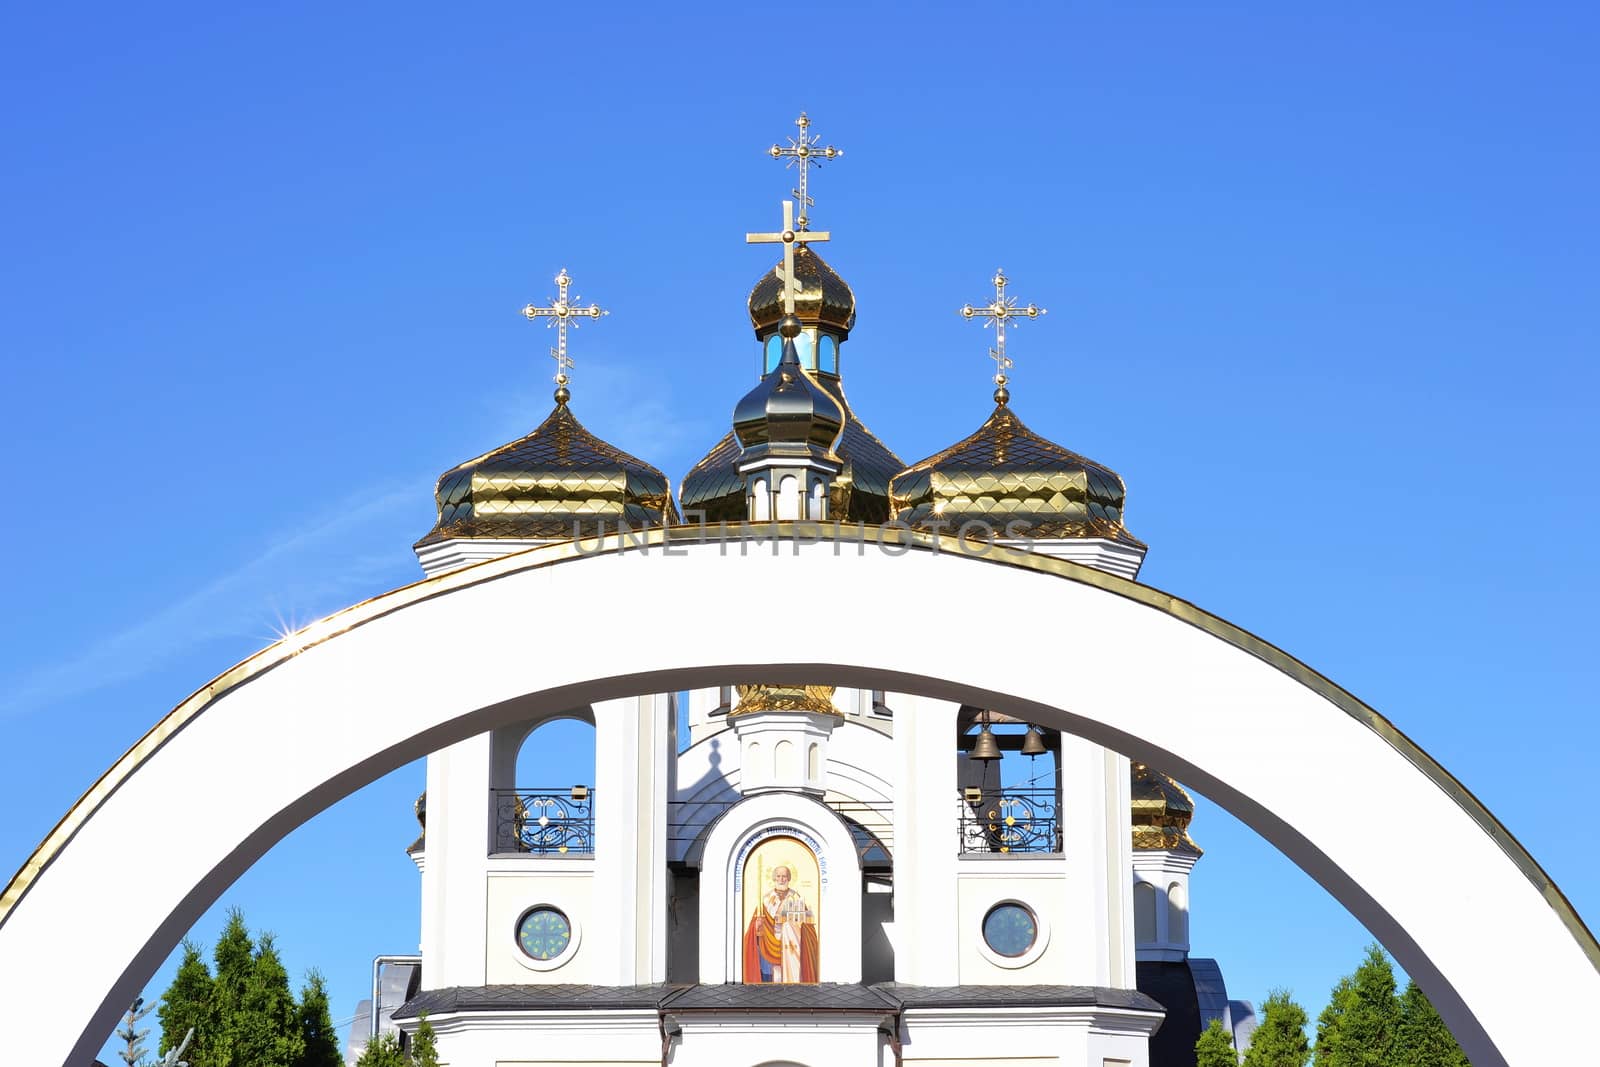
x,y
1002,311
560,312
789,236
804,152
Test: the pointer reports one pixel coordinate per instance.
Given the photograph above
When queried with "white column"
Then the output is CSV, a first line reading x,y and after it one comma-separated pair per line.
x,y
1119,861
926,842
453,897
634,752
1096,833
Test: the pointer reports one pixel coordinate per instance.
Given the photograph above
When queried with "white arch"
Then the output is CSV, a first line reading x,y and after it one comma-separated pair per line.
x,y
1255,730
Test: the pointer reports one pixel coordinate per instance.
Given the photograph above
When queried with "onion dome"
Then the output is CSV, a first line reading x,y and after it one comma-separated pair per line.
x,y
1020,484
825,307
787,413
824,298
1161,812
560,482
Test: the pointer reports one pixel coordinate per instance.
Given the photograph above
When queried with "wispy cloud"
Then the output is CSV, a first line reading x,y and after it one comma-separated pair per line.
x,y
304,574
636,413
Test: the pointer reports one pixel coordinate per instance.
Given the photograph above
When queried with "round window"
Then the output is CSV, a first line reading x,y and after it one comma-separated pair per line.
x,y
543,933
1010,929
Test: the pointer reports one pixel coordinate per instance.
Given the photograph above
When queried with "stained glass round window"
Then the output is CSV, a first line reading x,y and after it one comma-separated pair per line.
x,y
544,933
1010,929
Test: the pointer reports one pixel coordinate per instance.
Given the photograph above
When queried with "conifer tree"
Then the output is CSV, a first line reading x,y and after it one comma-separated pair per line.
x,y
187,1005
227,1020
320,1044
267,1026
383,1051
425,1050
132,1052
1213,1049
1363,1017
1280,1039
1423,1039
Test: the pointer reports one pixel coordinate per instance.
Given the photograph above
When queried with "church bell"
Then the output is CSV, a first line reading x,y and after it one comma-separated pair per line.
x,y
1033,742
986,748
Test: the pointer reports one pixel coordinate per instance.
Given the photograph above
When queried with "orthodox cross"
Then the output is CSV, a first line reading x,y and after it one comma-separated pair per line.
x,y
560,312
804,152
1002,311
788,237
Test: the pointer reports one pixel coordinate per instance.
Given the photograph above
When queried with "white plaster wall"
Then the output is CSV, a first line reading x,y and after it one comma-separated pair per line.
x,y
547,1039
517,883
818,1040
1088,1036
1035,880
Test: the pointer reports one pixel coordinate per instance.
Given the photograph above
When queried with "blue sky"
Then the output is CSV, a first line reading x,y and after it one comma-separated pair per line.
x,y
1321,288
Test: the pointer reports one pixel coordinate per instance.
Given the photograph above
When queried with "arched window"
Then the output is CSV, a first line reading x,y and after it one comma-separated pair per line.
x,y
1177,914
763,503
1144,913
805,346
828,355
788,498
548,806
813,771
784,764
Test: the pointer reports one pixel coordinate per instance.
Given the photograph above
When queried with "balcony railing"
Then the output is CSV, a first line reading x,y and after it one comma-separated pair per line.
x,y
545,821
1012,820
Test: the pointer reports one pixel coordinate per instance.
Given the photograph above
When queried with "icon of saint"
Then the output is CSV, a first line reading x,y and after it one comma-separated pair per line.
x,y
780,943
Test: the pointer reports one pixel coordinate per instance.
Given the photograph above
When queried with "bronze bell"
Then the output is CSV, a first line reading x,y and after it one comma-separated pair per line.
x,y
1033,742
986,747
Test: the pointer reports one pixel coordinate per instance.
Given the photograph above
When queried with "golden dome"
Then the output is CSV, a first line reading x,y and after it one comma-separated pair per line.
x,y
824,298
1017,482
1162,810
557,483
754,698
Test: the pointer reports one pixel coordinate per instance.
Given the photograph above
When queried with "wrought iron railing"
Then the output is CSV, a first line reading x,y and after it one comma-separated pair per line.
x,y
1012,820
546,821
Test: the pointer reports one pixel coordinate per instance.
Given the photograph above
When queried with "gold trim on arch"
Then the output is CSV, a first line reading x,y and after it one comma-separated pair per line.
x,y
377,607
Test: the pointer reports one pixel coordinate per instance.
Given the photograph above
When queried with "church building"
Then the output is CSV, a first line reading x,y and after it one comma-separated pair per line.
x,y
810,875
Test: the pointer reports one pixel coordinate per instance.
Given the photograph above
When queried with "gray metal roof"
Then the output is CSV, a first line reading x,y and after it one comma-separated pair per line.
x,y
1016,996
879,999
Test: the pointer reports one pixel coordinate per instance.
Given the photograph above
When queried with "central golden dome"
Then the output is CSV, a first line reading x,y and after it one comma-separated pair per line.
x,y
824,298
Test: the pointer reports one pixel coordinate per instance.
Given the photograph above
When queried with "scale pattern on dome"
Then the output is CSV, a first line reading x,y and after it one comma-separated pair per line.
x,y
823,296
860,491
1020,484
1162,810
559,482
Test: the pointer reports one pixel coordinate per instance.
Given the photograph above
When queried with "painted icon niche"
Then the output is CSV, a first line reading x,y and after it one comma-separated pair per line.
x,y
780,897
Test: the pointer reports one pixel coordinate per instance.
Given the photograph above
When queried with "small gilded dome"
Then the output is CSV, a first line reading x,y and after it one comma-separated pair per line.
x,y
810,698
787,413
560,482
1016,482
824,297
1162,810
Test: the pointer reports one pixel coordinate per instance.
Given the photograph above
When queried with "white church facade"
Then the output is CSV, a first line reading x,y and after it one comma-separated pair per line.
x,y
812,875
